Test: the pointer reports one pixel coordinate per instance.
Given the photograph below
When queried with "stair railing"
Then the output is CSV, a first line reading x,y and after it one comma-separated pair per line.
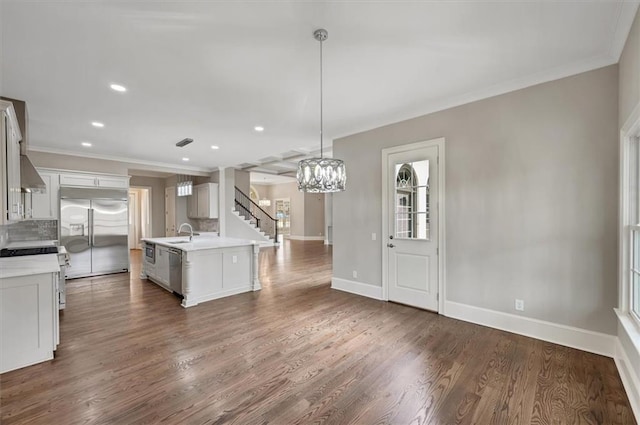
x,y
252,212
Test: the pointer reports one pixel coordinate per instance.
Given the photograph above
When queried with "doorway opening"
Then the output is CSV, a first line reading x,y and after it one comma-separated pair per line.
x,y
139,216
283,215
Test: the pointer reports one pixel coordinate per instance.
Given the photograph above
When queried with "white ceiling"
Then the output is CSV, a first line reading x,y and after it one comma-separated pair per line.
x,y
211,71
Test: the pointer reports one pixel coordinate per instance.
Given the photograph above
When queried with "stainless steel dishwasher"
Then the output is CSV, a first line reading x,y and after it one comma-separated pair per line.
x,y
175,270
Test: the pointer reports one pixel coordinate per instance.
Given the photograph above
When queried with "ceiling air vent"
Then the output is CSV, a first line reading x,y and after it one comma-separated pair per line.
x,y
184,142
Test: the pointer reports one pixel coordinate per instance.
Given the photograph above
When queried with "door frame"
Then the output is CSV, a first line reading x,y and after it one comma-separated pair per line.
x,y
439,142
149,190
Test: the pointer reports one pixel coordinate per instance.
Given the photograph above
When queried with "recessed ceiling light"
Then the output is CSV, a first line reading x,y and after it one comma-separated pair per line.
x,y
215,147
97,124
118,87
86,144
185,159
258,128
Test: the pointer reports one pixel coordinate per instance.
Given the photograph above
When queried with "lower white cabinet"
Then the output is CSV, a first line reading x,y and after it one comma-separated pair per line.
x,y
162,269
28,320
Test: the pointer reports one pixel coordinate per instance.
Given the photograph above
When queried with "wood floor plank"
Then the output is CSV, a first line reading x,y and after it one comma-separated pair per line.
x,y
296,352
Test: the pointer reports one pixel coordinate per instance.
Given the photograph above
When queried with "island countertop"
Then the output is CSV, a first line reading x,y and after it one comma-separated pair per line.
x,y
200,242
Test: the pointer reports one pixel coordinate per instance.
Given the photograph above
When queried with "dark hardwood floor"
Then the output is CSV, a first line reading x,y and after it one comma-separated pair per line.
x,y
297,352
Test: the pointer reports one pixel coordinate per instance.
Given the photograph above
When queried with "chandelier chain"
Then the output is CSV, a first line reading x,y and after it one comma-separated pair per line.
x,y
321,103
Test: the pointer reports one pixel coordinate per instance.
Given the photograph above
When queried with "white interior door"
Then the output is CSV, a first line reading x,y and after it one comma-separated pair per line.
x,y
412,226
170,211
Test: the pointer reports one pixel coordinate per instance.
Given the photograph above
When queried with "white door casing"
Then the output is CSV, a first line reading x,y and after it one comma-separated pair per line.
x,y
413,225
133,228
170,211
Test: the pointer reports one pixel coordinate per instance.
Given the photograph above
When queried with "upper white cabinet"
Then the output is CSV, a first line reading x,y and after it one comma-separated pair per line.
x,y
94,180
46,204
12,207
204,201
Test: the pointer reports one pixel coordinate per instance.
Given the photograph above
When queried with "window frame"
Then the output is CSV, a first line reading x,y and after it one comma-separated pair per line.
x,y
629,213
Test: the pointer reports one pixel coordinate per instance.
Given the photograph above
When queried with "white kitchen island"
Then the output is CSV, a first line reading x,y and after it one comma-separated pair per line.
x,y
210,267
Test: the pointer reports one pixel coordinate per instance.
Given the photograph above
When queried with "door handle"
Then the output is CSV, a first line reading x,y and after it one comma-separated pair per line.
x,y
91,229
390,245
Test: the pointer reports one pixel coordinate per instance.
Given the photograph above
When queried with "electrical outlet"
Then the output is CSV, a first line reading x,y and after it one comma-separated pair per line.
x,y
234,259
374,236
519,305
355,274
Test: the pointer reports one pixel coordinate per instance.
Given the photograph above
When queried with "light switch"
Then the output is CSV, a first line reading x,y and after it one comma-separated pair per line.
x,y
374,236
234,259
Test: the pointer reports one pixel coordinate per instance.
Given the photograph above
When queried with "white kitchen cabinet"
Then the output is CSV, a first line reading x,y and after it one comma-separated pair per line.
x,y
192,204
162,269
12,207
204,201
45,205
94,180
28,320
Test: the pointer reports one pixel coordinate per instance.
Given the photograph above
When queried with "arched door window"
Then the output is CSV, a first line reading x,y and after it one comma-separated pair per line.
x,y
253,194
412,200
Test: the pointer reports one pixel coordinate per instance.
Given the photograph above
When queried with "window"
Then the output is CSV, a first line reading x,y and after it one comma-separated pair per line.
x,y
412,201
631,291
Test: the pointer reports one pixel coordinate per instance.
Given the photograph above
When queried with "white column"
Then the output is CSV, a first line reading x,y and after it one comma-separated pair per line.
x,y
256,267
187,279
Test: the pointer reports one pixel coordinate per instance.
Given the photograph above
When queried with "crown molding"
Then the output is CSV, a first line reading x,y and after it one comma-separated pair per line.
x,y
201,171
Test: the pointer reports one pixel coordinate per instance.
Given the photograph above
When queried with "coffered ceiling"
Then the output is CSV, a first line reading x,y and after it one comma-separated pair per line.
x,y
213,71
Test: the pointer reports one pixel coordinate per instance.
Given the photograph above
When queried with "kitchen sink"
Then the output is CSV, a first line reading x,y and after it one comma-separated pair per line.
x,y
177,242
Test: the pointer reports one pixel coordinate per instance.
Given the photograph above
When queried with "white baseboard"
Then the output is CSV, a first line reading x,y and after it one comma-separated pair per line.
x,y
358,288
582,339
306,238
629,379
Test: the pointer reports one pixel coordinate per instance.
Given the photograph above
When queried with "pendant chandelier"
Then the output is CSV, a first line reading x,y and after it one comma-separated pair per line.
x,y
321,175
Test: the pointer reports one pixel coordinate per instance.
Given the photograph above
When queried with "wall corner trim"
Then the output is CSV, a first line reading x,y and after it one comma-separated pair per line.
x,y
358,288
582,339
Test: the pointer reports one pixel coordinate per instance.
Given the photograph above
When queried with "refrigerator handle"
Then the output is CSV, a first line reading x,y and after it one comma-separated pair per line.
x,y
91,236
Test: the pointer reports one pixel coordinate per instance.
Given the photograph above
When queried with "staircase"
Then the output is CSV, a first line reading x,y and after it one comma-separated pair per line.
x,y
265,226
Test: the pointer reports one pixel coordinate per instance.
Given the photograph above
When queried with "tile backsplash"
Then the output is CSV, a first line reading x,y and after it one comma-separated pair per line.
x,y
205,224
29,230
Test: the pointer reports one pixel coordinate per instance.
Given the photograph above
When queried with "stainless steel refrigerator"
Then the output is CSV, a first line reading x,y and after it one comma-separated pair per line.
x,y
94,229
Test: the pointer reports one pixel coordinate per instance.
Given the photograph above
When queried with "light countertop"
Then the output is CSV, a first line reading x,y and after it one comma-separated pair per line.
x,y
200,242
30,244
27,265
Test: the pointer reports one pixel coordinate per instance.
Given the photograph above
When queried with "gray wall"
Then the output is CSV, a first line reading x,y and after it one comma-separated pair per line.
x,y
313,214
531,199
157,185
629,66
242,179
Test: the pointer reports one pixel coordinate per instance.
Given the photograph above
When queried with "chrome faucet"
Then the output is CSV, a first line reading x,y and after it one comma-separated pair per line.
x,y
190,228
